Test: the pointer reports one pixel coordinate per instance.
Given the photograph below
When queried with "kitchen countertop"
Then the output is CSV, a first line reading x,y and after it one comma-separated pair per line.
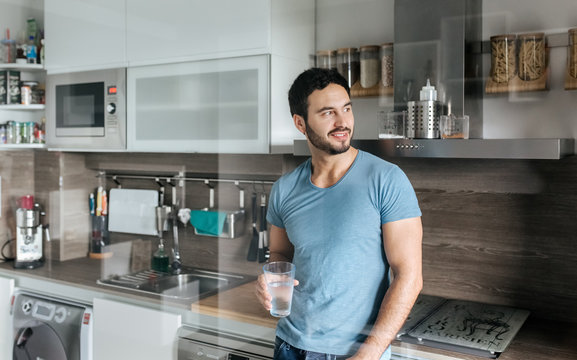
x,y
537,339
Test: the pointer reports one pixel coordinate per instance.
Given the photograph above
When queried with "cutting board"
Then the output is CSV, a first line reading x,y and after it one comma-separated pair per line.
x,y
132,211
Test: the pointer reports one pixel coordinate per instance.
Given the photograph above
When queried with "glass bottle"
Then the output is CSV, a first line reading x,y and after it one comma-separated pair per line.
x,y
326,59
503,58
370,66
532,56
348,64
572,53
387,64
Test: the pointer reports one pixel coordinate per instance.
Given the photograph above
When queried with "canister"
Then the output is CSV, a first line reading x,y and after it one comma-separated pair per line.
x,y
503,58
326,59
532,56
26,94
572,53
387,64
348,64
370,65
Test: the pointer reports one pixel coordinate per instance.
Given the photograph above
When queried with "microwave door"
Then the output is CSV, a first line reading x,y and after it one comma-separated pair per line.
x,y
80,110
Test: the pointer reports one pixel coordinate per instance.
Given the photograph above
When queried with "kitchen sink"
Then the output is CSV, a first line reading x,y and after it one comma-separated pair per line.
x,y
190,284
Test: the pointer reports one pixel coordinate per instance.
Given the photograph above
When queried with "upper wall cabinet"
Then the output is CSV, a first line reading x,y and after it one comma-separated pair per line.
x,y
177,30
84,35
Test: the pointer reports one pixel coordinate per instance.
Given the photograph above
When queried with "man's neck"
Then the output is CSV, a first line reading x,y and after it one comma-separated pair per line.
x,y
327,170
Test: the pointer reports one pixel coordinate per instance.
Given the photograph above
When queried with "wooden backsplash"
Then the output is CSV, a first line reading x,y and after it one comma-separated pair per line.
x,y
498,231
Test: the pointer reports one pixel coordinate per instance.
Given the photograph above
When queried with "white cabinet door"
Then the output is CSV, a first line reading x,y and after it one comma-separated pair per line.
x,y
6,336
84,34
123,331
190,29
209,106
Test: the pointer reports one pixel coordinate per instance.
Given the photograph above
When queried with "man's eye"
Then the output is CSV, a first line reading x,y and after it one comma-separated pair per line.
x,y
327,113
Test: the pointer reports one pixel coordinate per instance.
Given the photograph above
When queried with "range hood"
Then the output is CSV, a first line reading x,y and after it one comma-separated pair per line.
x,y
441,40
552,149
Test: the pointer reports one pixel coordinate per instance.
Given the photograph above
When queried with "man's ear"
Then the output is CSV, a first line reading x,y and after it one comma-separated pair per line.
x,y
299,123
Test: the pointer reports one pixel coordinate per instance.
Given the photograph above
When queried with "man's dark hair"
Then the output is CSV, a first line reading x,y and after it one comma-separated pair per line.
x,y
309,81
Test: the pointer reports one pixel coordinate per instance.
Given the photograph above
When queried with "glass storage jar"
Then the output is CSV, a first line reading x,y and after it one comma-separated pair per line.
x,y
572,53
532,56
503,58
326,59
348,64
370,65
387,64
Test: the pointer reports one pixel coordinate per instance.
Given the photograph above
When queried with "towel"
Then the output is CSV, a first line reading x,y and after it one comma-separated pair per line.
x,y
208,222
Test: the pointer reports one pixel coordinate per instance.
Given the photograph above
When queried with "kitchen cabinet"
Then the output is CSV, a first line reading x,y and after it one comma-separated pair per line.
x,y
183,29
125,331
6,291
212,106
216,102
84,35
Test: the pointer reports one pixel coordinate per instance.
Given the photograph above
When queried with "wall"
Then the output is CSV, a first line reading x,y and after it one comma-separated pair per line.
x,y
16,180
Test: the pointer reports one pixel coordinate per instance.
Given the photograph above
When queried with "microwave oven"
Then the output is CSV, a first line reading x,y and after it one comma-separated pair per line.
x,y
86,111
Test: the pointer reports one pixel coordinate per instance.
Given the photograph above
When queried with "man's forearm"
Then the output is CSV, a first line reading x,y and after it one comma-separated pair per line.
x,y
394,310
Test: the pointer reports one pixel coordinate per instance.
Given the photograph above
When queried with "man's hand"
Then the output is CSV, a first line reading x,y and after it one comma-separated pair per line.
x,y
262,294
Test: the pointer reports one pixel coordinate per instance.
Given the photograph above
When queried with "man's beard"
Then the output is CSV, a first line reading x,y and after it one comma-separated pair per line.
x,y
323,145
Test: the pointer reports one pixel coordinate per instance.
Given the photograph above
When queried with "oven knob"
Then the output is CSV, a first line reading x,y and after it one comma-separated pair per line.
x,y
26,307
111,108
60,314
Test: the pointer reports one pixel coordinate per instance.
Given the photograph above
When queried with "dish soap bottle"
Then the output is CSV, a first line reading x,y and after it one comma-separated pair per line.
x,y
160,258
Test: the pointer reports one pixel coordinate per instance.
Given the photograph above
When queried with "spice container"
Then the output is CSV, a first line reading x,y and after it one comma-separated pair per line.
x,y
326,59
572,53
370,65
348,64
503,58
532,57
387,64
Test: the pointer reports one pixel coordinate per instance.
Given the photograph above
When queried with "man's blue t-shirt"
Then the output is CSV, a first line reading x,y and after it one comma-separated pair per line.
x,y
338,250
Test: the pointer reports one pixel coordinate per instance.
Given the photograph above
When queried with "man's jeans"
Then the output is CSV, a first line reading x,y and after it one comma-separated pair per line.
x,y
284,351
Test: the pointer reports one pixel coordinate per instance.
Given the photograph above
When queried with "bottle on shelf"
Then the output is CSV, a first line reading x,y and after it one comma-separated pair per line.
x,y
31,54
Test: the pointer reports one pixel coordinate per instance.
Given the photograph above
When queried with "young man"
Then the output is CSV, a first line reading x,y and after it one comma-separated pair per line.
x,y
347,220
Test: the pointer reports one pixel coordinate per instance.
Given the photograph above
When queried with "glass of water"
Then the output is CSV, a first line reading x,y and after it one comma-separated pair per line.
x,y
280,276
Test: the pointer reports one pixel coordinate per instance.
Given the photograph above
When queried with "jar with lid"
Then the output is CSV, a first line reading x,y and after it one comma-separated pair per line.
x,y
326,59
532,56
503,58
387,64
370,65
572,53
348,64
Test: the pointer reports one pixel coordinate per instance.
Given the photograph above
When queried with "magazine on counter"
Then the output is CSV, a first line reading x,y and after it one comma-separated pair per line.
x,y
463,326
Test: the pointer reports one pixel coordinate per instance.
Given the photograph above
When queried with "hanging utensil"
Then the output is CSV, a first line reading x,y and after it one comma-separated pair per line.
x,y
253,248
265,238
262,233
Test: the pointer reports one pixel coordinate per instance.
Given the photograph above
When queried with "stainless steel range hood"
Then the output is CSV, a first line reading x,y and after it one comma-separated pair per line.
x,y
441,40
553,149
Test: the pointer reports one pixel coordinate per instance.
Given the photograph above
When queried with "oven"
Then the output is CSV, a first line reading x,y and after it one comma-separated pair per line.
x,y
203,344
86,110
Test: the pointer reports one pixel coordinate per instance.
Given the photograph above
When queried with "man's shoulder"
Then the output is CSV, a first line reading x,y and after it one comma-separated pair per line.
x,y
294,175
376,163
